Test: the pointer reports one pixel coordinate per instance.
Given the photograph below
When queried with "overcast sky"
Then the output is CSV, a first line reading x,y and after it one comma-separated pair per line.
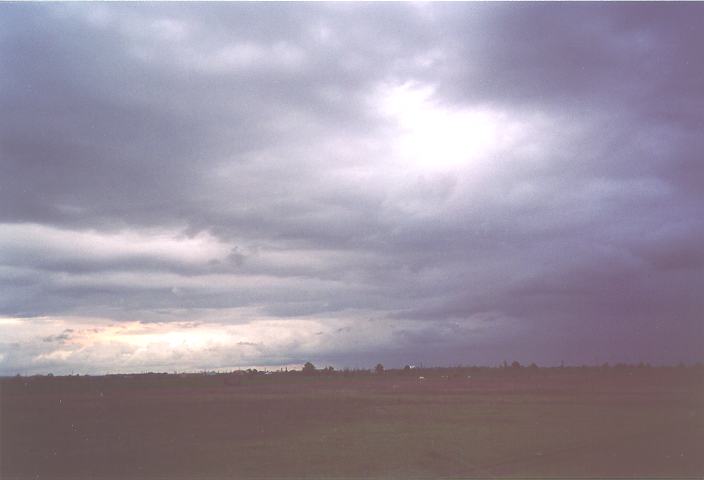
x,y
200,186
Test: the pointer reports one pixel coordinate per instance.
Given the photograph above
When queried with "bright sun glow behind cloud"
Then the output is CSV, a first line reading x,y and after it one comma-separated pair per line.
x,y
436,137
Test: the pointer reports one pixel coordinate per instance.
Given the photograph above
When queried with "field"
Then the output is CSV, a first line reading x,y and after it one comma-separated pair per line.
x,y
566,422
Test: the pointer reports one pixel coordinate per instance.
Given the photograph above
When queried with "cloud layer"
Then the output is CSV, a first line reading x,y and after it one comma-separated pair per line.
x,y
411,183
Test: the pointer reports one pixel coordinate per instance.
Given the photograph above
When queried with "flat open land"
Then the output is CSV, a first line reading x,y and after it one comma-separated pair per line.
x,y
566,422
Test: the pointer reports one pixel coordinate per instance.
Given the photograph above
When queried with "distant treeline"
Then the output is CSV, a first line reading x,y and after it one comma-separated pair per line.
x,y
309,369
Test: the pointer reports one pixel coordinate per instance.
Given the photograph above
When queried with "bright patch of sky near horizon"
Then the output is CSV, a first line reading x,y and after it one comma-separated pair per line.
x,y
190,186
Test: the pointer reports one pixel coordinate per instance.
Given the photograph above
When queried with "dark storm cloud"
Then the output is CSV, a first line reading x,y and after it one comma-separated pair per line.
x,y
91,121
184,158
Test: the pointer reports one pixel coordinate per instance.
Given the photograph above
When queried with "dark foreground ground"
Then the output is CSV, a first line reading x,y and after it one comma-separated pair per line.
x,y
634,422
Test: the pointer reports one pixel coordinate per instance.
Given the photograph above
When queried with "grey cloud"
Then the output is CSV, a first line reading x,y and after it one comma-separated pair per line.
x,y
60,338
253,123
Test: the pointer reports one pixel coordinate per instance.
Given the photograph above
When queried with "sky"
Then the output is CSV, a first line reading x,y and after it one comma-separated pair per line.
x,y
200,186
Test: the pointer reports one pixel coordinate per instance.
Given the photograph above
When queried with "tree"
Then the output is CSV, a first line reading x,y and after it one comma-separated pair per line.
x,y
379,369
308,368
515,364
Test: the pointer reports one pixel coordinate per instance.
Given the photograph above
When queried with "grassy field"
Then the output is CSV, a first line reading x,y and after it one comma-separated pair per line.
x,y
631,422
